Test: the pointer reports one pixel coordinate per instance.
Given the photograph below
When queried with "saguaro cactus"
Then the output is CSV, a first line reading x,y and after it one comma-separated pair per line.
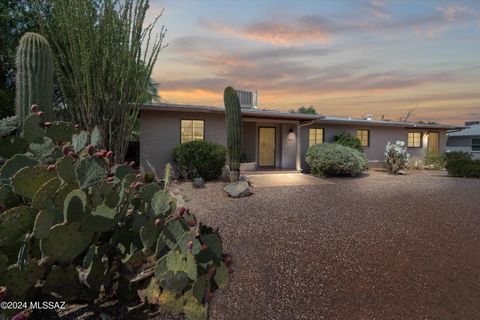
x,y
234,131
34,76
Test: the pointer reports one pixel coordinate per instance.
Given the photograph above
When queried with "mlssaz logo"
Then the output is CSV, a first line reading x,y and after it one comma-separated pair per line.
x,y
47,305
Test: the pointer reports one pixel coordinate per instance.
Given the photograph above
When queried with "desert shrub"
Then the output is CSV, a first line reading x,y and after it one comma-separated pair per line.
x,y
348,140
416,162
396,156
461,164
331,159
435,161
199,159
75,226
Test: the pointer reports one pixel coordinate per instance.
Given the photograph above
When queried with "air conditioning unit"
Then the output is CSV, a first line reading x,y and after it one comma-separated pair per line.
x,y
248,99
471,123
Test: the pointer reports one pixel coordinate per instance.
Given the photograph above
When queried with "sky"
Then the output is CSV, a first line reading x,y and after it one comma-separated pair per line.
x,y
343,57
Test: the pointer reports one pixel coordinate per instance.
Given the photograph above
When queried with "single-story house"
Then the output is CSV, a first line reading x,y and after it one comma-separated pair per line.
x,y
273,139
467,139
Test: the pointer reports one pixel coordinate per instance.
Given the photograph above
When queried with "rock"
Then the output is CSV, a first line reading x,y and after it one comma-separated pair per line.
x,y
244,178
198,182
238,189
225,174
401,172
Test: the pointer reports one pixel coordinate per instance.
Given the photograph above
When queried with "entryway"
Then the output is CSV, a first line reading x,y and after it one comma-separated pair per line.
x,y
266,146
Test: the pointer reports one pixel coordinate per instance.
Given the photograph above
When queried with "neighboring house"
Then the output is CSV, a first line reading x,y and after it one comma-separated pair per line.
x,y
273,139
467,140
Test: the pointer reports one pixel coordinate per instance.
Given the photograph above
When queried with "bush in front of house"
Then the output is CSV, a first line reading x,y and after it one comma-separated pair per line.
x,y
461,164
199,159
396,157
348,140
332,159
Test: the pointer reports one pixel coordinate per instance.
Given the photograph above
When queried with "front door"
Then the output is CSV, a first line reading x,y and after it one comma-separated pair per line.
x,y
434,143
266,147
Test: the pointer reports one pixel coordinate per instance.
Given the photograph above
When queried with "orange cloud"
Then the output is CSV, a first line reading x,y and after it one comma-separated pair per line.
x,y
276,33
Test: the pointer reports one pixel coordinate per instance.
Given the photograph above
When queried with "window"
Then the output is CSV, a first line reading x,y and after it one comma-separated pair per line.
x,y
364,137
414,140
475,144
315,136
192,130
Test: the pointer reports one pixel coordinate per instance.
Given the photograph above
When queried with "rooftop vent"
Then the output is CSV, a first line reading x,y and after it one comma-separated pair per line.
x,y
248,99
471,123
368,117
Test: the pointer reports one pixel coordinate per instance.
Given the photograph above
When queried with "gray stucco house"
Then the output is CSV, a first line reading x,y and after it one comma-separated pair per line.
x,y
273,139
467,140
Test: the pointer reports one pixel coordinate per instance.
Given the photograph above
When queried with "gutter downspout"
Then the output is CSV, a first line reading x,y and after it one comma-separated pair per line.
x,y
298,162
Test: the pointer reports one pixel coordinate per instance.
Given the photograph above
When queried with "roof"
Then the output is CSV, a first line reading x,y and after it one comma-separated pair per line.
x,y
317,118
473,130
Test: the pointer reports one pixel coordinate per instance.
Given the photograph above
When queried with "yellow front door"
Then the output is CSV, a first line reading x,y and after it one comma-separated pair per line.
x,y
434,143
266,147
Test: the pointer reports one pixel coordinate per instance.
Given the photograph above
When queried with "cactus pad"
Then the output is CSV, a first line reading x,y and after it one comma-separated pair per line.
x,y
12,145
149,234
221,276
121,171
151,294
43,223
200,287
194,310
65,241
80,141
13,165
214,244
171,301
63,282
61,131
3,262
27,181
44,148
75,206
148,191
61,194
90,171
14,223
161,203
95,138
43,198
19,282
31,128
9,198
65,169
101,219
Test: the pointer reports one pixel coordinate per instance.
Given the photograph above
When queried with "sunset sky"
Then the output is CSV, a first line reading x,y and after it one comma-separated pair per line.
x,y
346,58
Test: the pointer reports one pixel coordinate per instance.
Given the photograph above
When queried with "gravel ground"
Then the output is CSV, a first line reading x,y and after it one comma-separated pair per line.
x,y
375,247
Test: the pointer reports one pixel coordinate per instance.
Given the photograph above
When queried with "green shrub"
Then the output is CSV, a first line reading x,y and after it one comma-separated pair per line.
x,y
461,164
331,159
348,140
435,161
199,159
396,156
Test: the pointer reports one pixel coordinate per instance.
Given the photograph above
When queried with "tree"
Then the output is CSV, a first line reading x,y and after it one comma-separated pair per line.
x,y
305,110
16,18
103,59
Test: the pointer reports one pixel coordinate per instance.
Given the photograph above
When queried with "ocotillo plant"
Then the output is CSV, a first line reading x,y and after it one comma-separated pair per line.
x,y
234,131
34,76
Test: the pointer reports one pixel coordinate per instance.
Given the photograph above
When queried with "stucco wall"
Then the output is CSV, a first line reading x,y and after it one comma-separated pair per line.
x,y
379,137
160,133
462,144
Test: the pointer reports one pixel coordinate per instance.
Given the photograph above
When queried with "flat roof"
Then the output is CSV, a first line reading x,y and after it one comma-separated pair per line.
x,y
473,130
317,118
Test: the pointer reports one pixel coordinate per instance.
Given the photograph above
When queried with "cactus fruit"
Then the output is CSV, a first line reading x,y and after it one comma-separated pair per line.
x,y
109,154
34,83
234,131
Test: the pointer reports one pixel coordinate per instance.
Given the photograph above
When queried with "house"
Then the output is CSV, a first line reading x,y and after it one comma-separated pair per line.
x,y
467,140
273,139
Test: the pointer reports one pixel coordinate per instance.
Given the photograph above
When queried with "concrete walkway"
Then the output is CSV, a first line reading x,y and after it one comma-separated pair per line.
x,y
278,179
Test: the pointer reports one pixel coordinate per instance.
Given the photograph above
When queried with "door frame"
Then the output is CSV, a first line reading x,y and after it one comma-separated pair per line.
x,y
438,141
274,150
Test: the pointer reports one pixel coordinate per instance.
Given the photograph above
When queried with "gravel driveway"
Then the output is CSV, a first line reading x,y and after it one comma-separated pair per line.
x,y
375,247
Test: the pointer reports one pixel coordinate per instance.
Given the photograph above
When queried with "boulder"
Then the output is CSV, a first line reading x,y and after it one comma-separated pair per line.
x,y
238,189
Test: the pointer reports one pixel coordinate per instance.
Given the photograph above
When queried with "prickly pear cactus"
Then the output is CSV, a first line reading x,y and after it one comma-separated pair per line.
x,y
77,227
